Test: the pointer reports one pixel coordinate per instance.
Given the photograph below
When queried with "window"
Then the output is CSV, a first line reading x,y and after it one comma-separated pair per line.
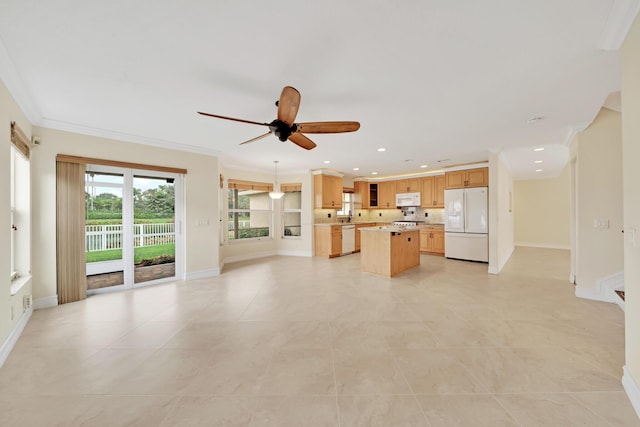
x,y
347,205
291,210
249,210
20,203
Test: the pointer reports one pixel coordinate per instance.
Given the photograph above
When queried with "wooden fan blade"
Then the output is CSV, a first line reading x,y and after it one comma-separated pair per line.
x,y
234,119
327,127
256,138
288,105
302,141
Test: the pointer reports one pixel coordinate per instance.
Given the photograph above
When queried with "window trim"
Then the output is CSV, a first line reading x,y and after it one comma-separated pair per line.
x,y
240,185
290,188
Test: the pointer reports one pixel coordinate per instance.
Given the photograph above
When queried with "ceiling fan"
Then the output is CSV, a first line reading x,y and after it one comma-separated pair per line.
x,y
285,128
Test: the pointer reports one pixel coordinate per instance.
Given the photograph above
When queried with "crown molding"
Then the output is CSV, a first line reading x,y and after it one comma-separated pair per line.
x,y
16,87
121,136
620,19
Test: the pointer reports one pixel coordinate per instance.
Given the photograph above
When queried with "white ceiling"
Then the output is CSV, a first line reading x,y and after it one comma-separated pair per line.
x,y
428,80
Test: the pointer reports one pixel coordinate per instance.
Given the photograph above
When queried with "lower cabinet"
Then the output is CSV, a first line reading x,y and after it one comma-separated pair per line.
x,y
432,241
328,240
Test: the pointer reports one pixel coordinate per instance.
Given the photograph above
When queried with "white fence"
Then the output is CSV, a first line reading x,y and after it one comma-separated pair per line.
x,y
105,237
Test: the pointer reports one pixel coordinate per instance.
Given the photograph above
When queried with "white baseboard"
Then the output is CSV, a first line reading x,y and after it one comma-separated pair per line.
x,y
632,388
46,302
12,339
249,256
604,290
296,253
202,274
542,245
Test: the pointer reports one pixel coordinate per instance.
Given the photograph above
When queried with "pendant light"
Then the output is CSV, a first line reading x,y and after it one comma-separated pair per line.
x,y
276,193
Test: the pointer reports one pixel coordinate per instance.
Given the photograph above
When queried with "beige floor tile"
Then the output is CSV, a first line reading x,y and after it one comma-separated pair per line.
x,y
501,370
84,411
368,371
436,372
210,411
380,411
152,334
535,410
312,341
165,372
295,411
568,370
465,410
300,372
612,406
230,373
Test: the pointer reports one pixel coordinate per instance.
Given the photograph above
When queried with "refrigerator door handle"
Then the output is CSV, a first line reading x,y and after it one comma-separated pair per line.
x,y
464,199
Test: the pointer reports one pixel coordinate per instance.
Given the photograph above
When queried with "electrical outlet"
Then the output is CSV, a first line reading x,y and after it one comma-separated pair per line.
x,y
329,215
380,214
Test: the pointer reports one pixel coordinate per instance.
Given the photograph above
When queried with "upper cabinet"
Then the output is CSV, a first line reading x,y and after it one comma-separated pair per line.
x,y
432,193
327,191
411,185
478,177
387,195
361,194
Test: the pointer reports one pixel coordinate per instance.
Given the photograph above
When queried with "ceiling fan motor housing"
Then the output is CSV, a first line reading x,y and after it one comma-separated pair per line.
x,y
282,130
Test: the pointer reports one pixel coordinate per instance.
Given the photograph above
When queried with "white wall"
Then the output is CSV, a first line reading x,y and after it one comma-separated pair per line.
x,y
630,61
201,184
501,237
11,307
541,209
599,251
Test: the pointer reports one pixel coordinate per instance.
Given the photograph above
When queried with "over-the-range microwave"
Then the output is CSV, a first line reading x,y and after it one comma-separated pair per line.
x,y
407,199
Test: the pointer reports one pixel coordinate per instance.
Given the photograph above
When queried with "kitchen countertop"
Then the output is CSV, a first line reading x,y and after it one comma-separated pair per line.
x,y
419,226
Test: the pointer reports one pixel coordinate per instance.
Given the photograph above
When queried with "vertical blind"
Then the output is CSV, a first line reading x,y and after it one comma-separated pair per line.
x,y
70,233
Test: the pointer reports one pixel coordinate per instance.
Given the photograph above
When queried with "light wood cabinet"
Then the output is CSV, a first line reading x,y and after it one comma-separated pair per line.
x,y
432,241
478,177
361,194
327,191
439,185
432,194
387,195
410,185
327,240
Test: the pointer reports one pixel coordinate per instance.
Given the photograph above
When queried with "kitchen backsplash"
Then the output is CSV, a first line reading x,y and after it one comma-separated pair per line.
x,y
321,216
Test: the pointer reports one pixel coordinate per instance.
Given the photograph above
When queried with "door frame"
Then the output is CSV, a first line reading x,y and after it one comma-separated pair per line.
x,y
128,222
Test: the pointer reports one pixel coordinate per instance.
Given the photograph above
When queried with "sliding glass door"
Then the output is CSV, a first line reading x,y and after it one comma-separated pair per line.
x,y
132,227
153,228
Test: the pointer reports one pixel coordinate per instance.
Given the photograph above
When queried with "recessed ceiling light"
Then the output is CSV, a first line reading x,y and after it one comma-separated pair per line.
x,y
356,169
537,161
374,173
539,149
326,162
381,149
538,170
424,166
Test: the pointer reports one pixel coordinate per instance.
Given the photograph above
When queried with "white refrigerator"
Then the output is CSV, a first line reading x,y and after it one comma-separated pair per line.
x,y
466,224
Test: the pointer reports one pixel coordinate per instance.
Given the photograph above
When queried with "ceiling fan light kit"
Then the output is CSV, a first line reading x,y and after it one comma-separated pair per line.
x,y
284,126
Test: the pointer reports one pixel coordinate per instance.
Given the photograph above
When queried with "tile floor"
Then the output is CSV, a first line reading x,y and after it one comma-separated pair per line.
x,y
286,341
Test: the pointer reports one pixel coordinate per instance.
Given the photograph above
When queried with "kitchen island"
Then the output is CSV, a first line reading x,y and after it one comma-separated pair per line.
x,y
389,250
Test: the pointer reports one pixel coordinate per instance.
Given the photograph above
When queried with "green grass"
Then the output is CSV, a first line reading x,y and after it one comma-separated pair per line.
x,y
146,252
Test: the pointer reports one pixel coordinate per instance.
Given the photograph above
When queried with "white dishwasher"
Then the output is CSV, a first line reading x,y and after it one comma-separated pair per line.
x,y
348,239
